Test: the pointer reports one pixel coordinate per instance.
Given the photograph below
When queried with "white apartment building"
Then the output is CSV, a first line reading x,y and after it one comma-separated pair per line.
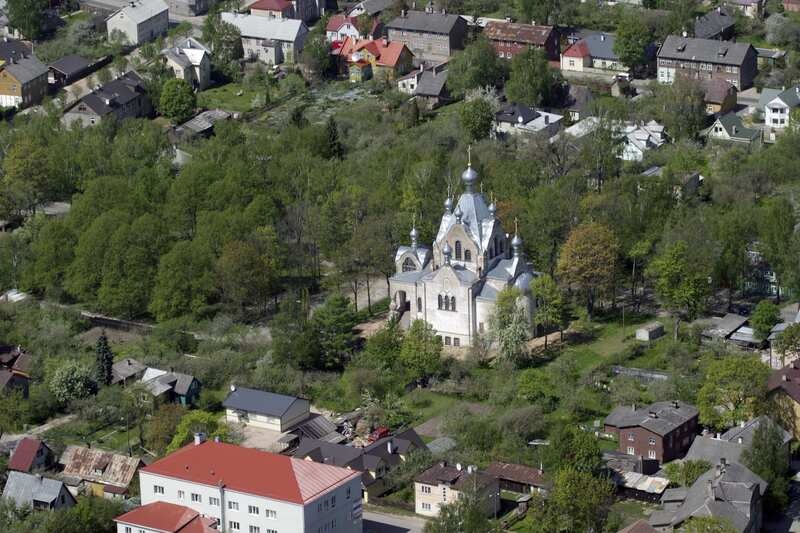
x,y
139,22
251,491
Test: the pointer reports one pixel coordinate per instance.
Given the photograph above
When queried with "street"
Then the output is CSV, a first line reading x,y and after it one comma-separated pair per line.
x,y
375,522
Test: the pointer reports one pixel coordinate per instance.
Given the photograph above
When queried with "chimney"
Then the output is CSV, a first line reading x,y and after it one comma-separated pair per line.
x,y
717,436
722,463
233,387
652,414
740,440
742,424
199,438
541,468
684,34
704,432
443,463
389,446
784,377
471,469
734,129
128,361
458,467
508,19
675,404
633,407
547,119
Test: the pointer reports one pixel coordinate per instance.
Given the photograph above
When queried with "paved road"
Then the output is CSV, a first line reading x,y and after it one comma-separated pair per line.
x,y
375,522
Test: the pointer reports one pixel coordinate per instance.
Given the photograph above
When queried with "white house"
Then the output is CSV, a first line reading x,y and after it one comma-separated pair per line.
x,y
190,60
269,40
634,139
515,119
777,112
340,27
247,490
139,22
265,410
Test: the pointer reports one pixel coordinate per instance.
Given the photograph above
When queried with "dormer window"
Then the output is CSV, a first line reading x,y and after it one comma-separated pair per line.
x,y
408,265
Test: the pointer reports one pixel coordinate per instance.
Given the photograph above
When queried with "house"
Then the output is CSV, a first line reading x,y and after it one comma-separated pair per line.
x,y
716,24
593,53
140,21
516,119
31,454
778,111
442,484
634,476
127,370
281,9
373,8
663,430
783,388
15,369
190,60
510,39
650,332
387,59
68,69
170,386
749,8
104,474
124,97
269,40
728,491
712,447
518,478
188,8
792,6
578,102
432,37
202,125
340,27
250,490
265,410
38,492
701,59
731,328
635,139
163,517
13,49
23,82
719,96
730,128
428,86
640,526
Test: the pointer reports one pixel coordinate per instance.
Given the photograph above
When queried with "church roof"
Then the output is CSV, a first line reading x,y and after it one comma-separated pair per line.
x,y
412,276
423,253
474,216
507,269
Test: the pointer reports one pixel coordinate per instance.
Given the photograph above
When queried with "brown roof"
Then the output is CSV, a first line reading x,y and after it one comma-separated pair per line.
x,y
457,477
523,33
517,473
640,526
787,379
99,466
716,90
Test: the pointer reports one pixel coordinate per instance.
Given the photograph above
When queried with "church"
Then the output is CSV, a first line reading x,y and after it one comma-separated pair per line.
x,y
454,284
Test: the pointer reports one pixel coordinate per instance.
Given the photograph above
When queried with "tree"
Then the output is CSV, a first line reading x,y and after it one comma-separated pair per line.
x,y
476,67
775,224
334,322
708,524
476,118
685,473
764,317
162,425
90,514
27,180
789,341
573,448
197,422
332,148
768,457
550,304
734,389
225,42
27,16
532,82
177,100
579,501
245,274
184,283
420,353
316,52
104,360
681,288
467,514
509,326
588,261
72,381
680,107
632,40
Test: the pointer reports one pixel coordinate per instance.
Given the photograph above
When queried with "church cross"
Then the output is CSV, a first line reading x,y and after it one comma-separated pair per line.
x,y
469,155
516,228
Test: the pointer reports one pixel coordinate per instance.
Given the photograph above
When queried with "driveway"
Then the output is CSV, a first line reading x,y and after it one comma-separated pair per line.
x,y
375,522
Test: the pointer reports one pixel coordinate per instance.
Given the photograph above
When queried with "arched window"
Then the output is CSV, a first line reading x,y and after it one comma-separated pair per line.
x,y
408,265
419,305
440,301
458,250
446,303
467,255
452,303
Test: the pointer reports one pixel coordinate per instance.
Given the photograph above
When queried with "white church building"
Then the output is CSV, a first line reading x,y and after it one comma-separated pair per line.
x,y
454,284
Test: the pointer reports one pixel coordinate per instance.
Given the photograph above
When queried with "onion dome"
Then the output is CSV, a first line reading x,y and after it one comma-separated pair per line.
x,y
492,209
448,205
516,244
447,251
469,177
458,213
414,235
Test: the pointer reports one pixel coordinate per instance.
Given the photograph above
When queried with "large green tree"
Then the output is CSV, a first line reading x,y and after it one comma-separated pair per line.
x,y
734,389
334,322
420,352
27,16
72,381
632,39
193,422
764,317
550,309
532,82
768,456
467,514
104,360
476,118
185,282
177,100
579,501
475,68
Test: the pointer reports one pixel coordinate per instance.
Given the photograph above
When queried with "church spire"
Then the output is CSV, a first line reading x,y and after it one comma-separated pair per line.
x,y
469,177
448,203
414,233
516,242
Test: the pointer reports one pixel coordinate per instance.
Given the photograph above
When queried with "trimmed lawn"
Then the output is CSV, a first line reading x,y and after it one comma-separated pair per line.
x,y
227,97
112,438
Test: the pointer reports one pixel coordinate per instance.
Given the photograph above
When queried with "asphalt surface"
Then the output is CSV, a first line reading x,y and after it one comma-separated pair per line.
x,y
389,523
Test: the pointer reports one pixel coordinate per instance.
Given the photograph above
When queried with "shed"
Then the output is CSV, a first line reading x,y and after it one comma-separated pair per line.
x,y
265,410
649,332
68,69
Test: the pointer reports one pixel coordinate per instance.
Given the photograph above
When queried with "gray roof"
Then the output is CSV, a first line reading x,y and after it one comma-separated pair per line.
x,y
374,7
113,94
601,45
286,30
516,113
126,368
735,128
766,96
70,65
711,449
258,401
142,10
579,97
12,48
659,417
723,327
747,430
431,83
713,23
791,96
26,69
25,489
423,22
705,50
441,445
205,120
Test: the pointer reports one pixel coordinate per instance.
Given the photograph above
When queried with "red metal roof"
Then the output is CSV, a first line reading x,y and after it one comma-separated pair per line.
x,y
251,471
271,5
579,49
163,516
337,21
24,454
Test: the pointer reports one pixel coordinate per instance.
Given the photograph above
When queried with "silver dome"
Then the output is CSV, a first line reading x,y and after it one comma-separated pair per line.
x,y
448,204
446,250
516,242
469,177
492,209
458,213
414,233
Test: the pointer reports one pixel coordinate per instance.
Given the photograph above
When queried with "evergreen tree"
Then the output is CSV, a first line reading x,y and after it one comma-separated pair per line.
x,y
104,359
333,147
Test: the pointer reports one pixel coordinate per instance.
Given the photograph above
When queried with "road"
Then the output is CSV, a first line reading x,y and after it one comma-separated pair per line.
x,y
38,430
375,522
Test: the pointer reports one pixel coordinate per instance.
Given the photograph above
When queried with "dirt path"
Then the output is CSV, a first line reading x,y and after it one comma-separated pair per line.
x,y
39,430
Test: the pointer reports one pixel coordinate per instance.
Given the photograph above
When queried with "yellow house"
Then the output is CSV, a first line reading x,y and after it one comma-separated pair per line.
x,y
23,82
388,59
784,392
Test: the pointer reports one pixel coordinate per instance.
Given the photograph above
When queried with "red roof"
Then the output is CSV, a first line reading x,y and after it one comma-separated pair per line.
x,y
169,517
251,471
271,5
579,49
337,21
24,454
387,53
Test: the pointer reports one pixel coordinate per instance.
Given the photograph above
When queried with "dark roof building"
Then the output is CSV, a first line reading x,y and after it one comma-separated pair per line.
x,y
30,454
11,49
713,448
123,97
518,478
127,369
716,24
662,431
432,37
511,38
68,69
455,476
265,409
700,59
37,492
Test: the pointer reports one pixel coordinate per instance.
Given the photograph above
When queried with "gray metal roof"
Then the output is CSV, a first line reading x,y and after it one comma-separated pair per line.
x,y
70,65
258,401
735,128
117,92
431,82
705,50
286,30
25,489
26,69
125,368
659,417
420,21
142,10
601,45
791,96
713,23
723,327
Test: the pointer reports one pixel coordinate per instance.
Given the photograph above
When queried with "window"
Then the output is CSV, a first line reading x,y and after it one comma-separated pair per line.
x,y
444,494
271,514
128,530
348,493
196,498
456,341
158,489
480,327
440,301
272,531
467,255
213,501
254,529
426,489
630,437
252,509
652,441
333,501
426,507
447,341
233,506
233,526
458,250
651,454
452,303
631,451
408,265
181,495
446,303
419,305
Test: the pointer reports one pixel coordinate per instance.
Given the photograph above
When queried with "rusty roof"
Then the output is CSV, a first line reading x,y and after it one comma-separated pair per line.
x,y
517,473
523,33
99,466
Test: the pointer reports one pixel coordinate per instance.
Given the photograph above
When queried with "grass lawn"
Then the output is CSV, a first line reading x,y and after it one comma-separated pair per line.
x,y
631,510
112,438
227,97
425,404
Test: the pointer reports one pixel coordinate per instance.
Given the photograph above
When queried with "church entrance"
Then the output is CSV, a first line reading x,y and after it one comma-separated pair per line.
x,y
403,304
